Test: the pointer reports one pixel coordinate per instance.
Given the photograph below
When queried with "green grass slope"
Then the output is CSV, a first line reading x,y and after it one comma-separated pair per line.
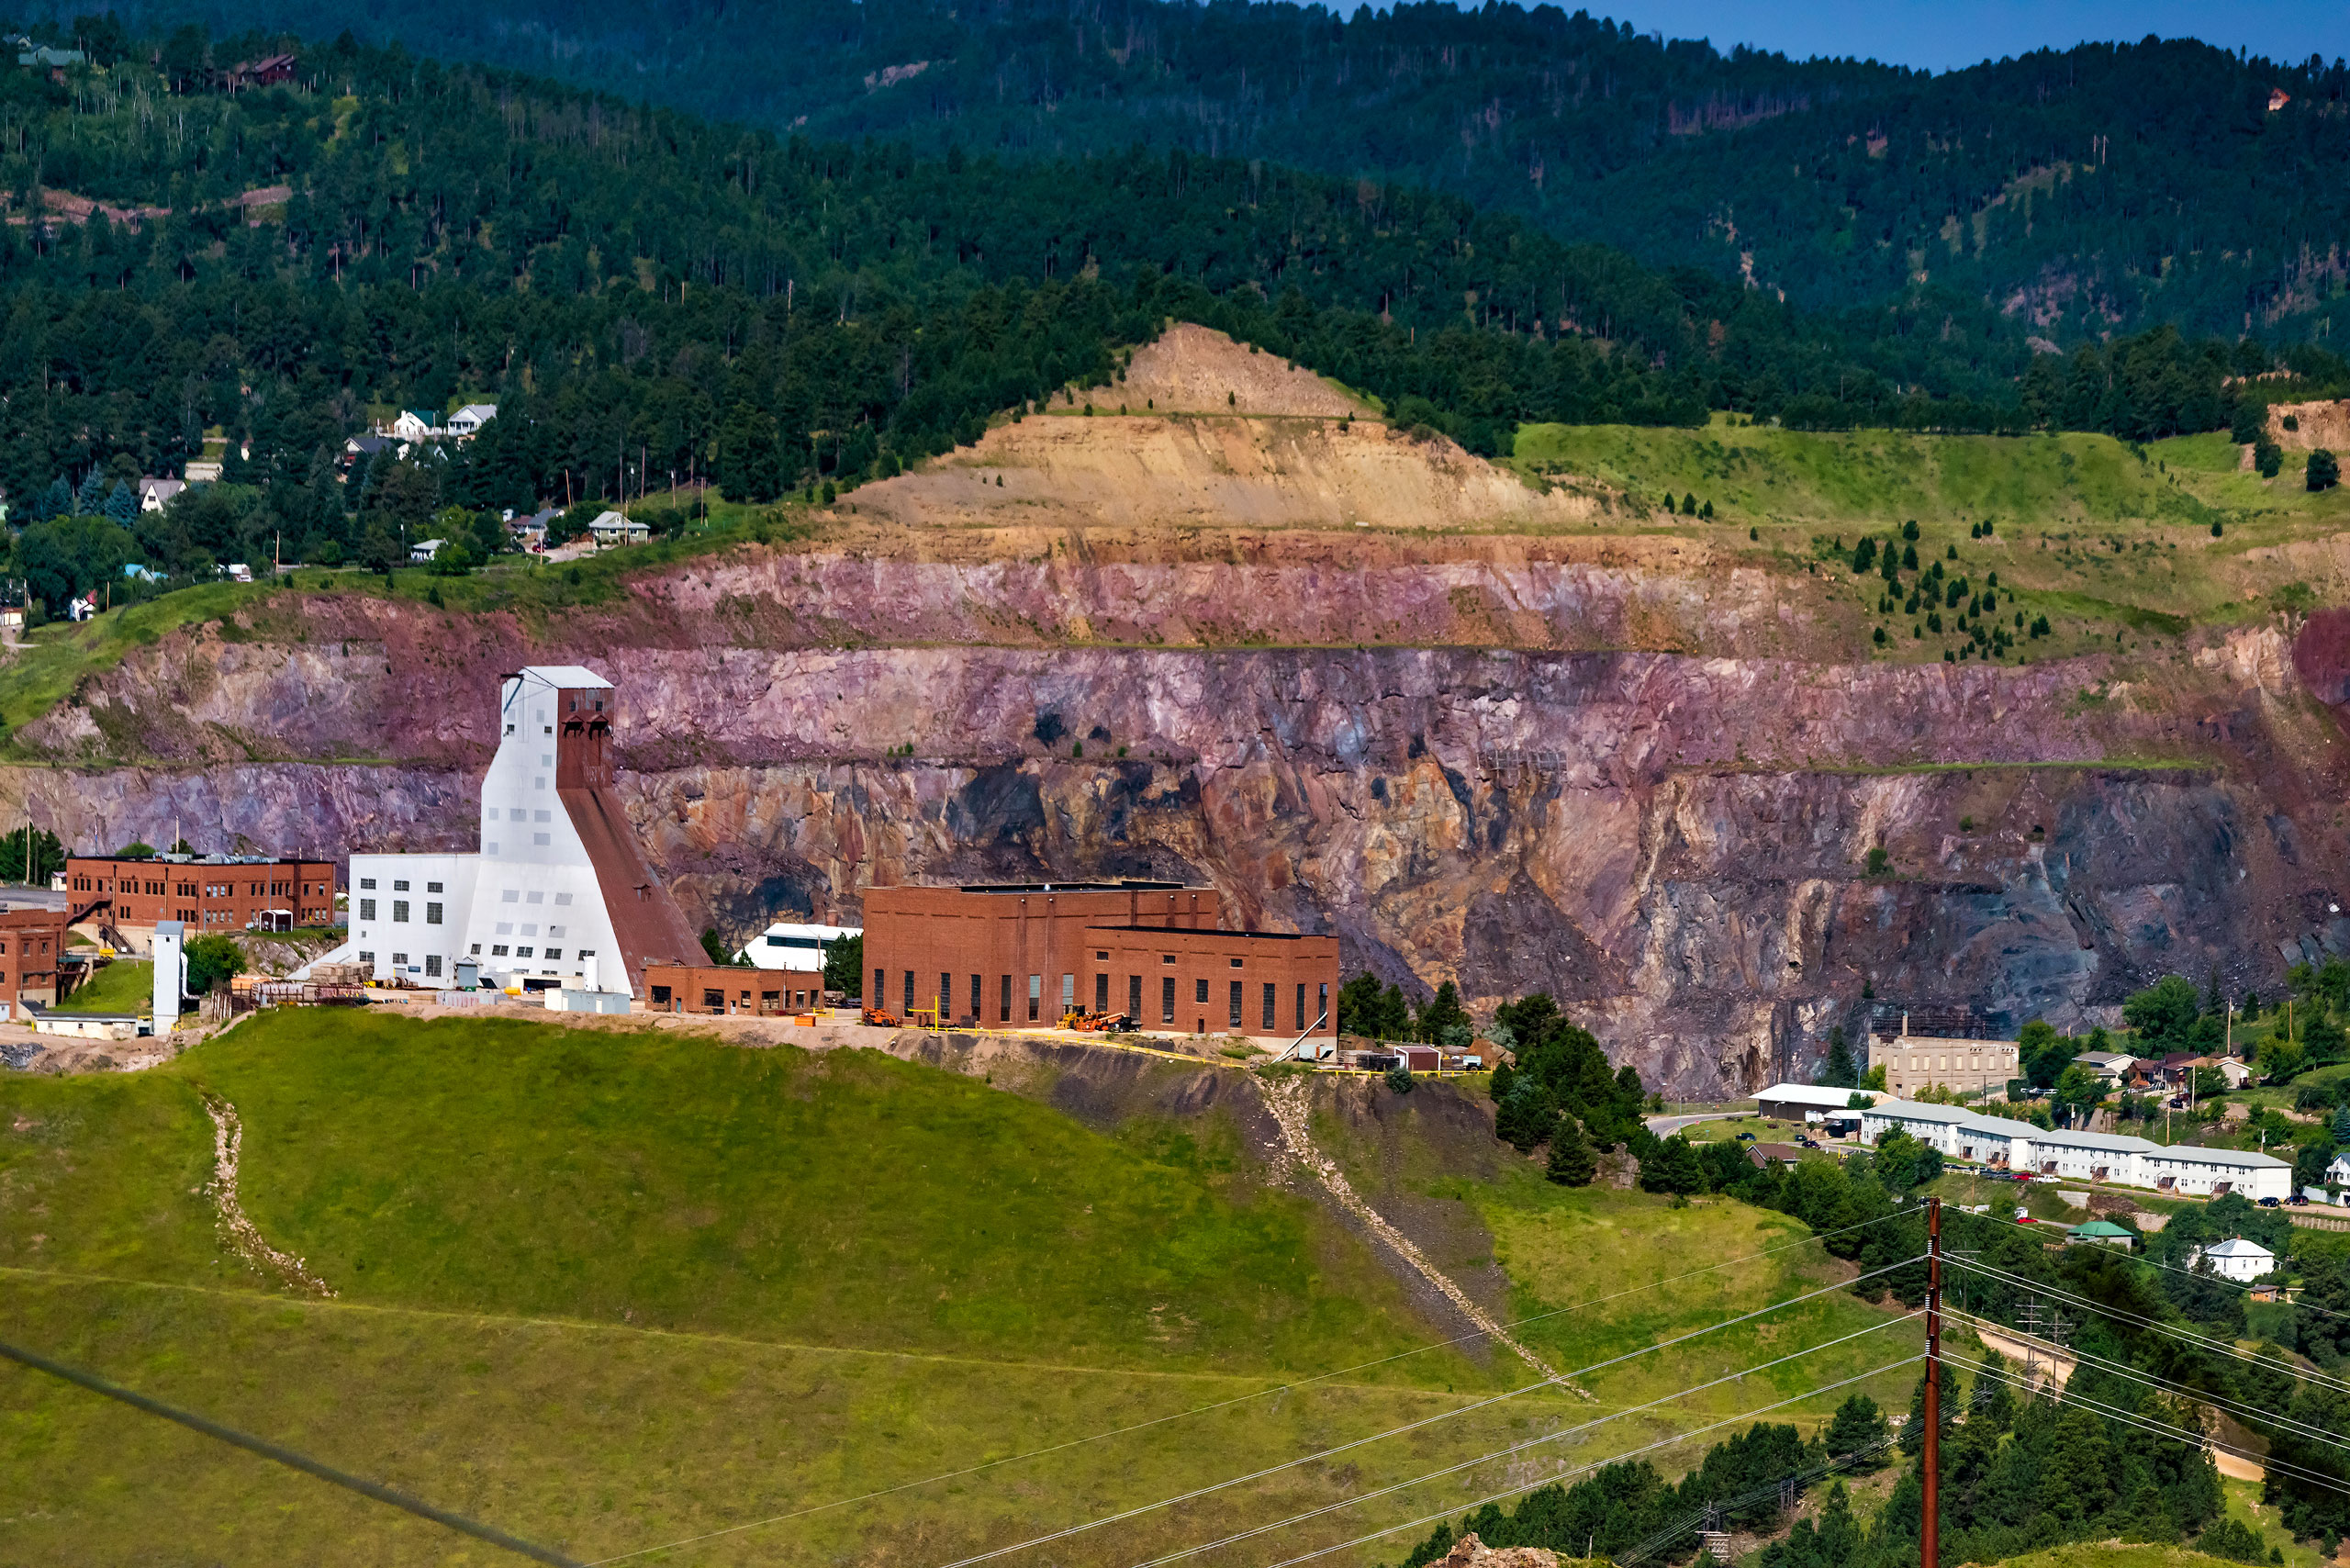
x,y
119,987
613,1290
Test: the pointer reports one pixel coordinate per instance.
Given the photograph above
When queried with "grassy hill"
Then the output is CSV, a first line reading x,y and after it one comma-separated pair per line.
x,y
610,1290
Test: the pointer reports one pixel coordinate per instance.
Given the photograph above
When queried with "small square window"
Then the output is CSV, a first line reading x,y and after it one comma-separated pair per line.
x,y
1101,953
476,952
432,887
400,960
368,883
536,898
554,952
400,886
510,895
1235,963
1166,958
517,814
497,949
562,901
505,928
541,816
433,964
539,839
522,952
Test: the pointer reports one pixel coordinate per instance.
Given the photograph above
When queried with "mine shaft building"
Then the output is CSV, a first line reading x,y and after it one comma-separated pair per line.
x,y
1021,955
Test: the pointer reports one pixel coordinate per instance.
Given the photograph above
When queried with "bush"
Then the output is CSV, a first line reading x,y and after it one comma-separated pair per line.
x,y
1399,1079
2324,473
2267,458
213,961
1572,1163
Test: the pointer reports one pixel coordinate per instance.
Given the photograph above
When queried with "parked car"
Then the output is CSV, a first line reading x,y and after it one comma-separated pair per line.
x,y
1746,1137
2268,1203
2023,1215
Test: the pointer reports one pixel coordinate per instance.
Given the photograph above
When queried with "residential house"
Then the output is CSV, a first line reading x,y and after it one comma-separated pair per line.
x,y
421,553
360,448
44,58
612,528
2236,1259
1763,1156
2112,1065
2236,1072
411,426
466,422
2179,1170
531,532
154,494
2101,1233
2339,1171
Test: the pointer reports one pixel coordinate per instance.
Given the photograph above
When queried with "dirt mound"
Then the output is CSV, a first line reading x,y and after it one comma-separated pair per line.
x,y
2323,424
1153,471
1196,370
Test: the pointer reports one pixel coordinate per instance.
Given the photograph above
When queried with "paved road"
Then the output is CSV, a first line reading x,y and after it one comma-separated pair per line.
x,y
1665,1126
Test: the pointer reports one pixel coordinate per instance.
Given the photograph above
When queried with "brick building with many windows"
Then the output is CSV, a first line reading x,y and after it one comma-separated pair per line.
x,y
1022,955
32,947
211,894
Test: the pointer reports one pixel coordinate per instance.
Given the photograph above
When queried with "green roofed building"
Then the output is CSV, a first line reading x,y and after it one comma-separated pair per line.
x,y
2101,1233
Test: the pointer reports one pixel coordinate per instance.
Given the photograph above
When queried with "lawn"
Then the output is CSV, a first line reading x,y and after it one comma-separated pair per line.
x,y
613,1289
123,985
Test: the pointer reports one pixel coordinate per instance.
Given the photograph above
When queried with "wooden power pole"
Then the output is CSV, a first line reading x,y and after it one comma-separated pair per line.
x,y
1929,1524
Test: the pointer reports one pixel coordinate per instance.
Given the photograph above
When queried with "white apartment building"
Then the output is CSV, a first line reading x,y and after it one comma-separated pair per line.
x,y
2008,1145
559,895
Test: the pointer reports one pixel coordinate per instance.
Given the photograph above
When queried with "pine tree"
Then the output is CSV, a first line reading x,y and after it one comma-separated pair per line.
x,y
1842,1071
1572,1163
121,505
91,499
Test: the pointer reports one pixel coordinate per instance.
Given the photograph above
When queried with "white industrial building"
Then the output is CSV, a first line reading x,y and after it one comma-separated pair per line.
x,y
557,897
1806,1102
2008,1145
796,948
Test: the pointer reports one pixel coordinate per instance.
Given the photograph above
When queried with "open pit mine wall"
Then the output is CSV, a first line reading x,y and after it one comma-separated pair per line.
x,y
1676,845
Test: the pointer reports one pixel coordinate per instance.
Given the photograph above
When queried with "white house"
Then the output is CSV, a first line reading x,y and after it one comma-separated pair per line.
x,y
559,895
1805,1101
2108,1065
154,494
466,422
421,553
412,426
2339,1171
2236,1259
612,528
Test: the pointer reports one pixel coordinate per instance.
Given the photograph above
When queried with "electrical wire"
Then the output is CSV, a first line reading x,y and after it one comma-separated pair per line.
x,y
1122,1514
1227,1404
2186,1391
2188,1335
1585,1469
2130,1419
2175,1269
1521,1447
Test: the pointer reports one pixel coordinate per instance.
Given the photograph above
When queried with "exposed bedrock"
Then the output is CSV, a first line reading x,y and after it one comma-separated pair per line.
x,y
1678,845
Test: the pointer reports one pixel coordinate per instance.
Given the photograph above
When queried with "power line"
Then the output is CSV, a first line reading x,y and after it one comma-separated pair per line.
x,y
1411,1426
1238,1399
2184,1273
1599,1465
2189,1336
2131,1418
288,1457
2201,1396
1518,1447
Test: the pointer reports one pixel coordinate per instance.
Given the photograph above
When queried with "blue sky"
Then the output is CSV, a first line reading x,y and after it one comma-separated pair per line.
x,y
1961,32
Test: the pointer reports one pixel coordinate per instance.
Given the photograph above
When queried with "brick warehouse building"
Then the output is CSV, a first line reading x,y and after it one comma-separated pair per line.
x,y
32,946
210,893
1020,955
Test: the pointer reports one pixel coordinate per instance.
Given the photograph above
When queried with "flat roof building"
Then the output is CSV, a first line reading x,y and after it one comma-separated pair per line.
x,y
210,894
1805,1101
1915,1062
1023,955
558,896
2124,1161
796,945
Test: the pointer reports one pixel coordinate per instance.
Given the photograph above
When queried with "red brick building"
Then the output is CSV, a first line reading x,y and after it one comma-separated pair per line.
x,y
730,988
1020,955
213,894
32,941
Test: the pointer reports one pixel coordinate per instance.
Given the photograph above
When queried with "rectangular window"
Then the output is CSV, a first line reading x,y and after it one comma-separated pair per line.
x,y
554,952
1302,1019
540,817
497,949
1068,994
539,839
660,996
1035,996
476,950
400,912
713,1000
945,995
1236,1004
975,1014
522,952
880,988
1272,1006
432,914
1235,963
1167,999
368,959
433,964
1325,1013
368,883
1200,990
1004,1014
910,991
366,908
1134,999
400,886
510,895
432,887
1102,993
400,960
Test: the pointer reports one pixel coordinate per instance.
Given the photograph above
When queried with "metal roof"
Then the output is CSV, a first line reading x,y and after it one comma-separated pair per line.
x,y
2237,1247
1826,1096
565,676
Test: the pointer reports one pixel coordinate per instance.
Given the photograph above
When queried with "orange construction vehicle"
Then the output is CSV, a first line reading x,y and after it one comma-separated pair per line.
x,y
1096,1023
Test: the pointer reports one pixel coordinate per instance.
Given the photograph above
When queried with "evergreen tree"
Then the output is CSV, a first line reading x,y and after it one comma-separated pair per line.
x,y
2324,472
1572,1163
122,506
1859,1424
1443,1011
55,501
90,500
1842,1071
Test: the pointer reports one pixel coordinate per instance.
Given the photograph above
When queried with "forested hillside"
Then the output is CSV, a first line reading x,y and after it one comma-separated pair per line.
x,y
2103,188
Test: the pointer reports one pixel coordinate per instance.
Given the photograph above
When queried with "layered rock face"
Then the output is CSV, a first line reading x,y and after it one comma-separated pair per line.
x,y
1677,845
1538,756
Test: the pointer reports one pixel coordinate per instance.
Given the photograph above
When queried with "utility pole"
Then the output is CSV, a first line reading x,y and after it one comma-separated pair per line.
x,y
1929,1524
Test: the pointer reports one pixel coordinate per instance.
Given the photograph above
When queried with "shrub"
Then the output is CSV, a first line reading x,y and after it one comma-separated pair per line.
x,y
2324,473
